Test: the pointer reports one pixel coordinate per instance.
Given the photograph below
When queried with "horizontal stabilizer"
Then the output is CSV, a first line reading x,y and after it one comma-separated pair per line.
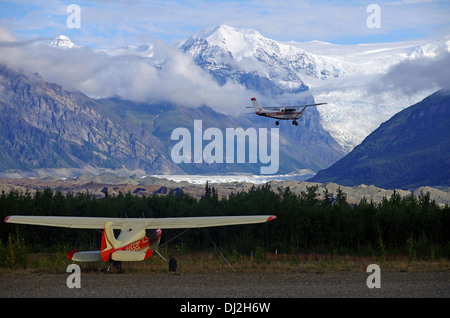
x,y
94,256
90,256
130,256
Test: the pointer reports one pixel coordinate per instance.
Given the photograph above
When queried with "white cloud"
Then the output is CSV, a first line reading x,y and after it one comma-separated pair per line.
x,y
411,76
179,80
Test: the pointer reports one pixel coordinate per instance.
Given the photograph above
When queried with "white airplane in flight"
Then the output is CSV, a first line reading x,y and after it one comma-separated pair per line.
x,y
283,113
132,244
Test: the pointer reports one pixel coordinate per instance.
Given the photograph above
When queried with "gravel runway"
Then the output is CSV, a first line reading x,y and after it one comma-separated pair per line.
x,y
228,285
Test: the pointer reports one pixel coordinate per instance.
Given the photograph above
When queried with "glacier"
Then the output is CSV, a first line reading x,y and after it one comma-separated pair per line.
x,y
355,108
254,179
347,77
341,75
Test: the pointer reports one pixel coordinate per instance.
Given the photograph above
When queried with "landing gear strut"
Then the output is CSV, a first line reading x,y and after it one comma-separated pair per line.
x,y
172,262
113,266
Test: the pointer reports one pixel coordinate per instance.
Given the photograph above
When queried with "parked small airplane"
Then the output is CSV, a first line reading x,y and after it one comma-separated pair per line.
x,y
132,244
283,113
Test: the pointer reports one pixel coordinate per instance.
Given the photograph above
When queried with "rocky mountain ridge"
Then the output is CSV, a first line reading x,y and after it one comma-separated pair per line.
x,y
147,185
110,133
45,126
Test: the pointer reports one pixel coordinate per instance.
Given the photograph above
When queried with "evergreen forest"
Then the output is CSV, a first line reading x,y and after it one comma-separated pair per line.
x,y
309,222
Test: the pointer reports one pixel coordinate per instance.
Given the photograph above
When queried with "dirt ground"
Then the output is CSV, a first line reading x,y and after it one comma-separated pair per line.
x,y
227,285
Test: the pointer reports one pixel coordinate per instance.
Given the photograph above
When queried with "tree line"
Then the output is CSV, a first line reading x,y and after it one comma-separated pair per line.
x,y
308,222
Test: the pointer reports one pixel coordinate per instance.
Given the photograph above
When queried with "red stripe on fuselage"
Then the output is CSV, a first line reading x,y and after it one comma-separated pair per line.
x,y
135,246
141,244
281,115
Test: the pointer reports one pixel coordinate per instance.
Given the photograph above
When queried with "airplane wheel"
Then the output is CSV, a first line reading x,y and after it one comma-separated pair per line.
x,y
277,123
172,265
295,123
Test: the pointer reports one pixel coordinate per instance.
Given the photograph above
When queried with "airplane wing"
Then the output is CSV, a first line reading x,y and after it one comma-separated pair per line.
x,y
294,106
149,223
308,105
272,108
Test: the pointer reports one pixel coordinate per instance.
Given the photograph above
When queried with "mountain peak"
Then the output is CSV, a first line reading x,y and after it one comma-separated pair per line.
x,y
63,42
237,41
245,56
223,30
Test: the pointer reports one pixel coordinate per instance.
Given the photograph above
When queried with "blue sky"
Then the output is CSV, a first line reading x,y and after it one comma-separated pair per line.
x,y
109,24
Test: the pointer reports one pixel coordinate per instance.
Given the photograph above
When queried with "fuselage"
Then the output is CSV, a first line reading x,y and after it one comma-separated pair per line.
x,y
144,243
281,114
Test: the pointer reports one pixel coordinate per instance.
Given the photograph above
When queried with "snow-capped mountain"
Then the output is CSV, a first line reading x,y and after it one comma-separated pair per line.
x,y
151,51
354,108
63,42
236,54
286,73
341,75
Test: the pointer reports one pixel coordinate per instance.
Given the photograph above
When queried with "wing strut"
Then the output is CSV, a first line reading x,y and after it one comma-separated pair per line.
x,y
218,251
157,252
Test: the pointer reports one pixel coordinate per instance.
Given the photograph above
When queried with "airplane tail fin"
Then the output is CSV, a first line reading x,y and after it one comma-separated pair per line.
x,y
109,242
256,106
